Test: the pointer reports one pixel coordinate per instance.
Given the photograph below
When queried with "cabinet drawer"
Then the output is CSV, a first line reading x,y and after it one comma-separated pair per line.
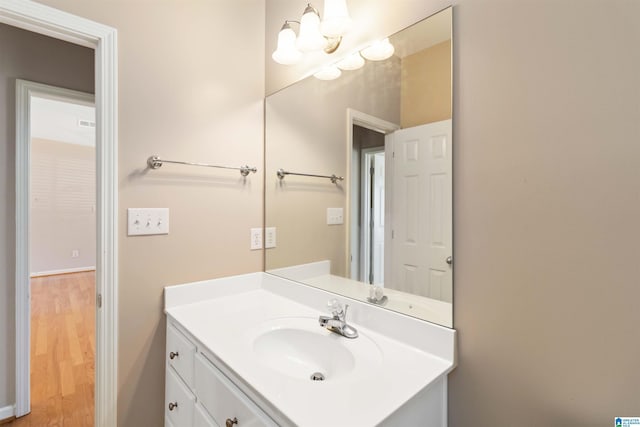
x,y
180,352
178,402
223,400
201,418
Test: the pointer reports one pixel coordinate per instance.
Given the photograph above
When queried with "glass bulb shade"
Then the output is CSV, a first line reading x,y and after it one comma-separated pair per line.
x,y
309,37
286,52
351,62
336,21
378,51
328,73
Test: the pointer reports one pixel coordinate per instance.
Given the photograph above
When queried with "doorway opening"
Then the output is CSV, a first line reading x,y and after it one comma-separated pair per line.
x,y
368,156
372,193
399,221
62,257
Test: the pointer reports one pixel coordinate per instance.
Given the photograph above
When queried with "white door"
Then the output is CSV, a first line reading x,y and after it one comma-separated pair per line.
x,y
420,210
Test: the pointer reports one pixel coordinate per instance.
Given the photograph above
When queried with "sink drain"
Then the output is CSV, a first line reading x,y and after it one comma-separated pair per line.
x,y
317,376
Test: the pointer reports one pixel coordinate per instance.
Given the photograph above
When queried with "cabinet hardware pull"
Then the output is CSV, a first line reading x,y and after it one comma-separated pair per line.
x,y
230,422
173,355
173,405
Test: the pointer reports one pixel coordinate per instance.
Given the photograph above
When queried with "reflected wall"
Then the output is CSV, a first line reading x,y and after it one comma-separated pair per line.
x,y
313,127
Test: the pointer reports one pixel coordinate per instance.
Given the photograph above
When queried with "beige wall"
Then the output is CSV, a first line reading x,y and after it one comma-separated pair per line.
x,y
191,84
546,207
545,192
27,56
63,199
314,143
426,86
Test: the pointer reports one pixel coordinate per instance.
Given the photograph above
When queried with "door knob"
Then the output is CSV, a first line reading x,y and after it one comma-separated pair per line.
x,y
449,260
230,422
173,405
173,355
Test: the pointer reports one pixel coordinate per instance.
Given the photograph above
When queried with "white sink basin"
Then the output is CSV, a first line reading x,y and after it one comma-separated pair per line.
x,y
299,347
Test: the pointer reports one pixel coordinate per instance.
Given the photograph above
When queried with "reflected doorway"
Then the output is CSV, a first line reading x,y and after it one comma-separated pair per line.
x,y
372,191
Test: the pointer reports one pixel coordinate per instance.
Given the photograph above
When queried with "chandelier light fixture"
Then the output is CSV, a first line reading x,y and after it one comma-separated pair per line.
x,y
315,34
378,51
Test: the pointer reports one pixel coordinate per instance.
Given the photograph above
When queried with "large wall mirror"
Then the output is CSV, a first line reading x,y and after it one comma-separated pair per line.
x,y
383,233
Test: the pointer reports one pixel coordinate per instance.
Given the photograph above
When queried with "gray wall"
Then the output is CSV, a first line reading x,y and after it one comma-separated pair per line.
x,y
28,56
63,202
546,205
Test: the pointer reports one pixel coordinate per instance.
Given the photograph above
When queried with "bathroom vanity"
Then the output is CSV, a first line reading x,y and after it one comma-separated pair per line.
x,y
255,350
249,351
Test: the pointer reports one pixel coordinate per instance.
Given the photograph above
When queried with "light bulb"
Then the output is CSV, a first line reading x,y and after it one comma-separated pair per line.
x,y
336,21
286,52
309,37
351,62
378,51
328,73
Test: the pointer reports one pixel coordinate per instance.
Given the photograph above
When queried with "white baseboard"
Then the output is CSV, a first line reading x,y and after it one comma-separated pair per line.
x,y
7,412
63,271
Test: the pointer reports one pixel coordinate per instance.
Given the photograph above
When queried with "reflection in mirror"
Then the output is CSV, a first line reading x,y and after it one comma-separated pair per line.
x,y
384,233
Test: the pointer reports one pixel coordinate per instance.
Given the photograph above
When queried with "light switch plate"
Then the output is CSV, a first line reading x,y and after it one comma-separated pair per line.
x,y
269,237
335,216
147,221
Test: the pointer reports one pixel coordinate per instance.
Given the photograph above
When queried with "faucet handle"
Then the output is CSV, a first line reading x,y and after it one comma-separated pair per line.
x,y
335,308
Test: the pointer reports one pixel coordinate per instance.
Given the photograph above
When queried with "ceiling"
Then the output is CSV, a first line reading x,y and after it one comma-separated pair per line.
x,y
59,121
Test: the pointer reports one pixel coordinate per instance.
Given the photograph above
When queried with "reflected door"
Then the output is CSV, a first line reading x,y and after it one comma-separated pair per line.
x,y
421,210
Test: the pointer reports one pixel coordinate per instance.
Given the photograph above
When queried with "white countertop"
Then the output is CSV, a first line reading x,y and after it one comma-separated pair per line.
x,y
225,323
318,274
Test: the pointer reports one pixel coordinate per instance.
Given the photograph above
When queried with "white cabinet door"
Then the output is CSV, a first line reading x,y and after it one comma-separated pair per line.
x,y
179,402
201,418
223,400
180,352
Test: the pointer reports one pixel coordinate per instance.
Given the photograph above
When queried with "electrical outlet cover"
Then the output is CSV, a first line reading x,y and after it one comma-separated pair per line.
x,y
256,239
270,237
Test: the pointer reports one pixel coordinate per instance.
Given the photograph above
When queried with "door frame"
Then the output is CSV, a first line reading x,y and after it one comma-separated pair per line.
x,y
355,117
54,23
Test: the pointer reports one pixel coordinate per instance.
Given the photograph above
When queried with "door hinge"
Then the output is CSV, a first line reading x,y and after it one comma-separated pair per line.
x,y
372,171
393,234
99,300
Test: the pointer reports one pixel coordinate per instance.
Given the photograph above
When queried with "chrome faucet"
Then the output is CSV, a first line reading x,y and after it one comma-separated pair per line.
x,y
336,322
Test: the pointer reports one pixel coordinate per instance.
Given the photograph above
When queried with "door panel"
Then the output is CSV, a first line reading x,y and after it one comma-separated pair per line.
x,y
421,210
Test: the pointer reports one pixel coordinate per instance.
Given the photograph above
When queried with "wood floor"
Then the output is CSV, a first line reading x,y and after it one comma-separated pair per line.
x,y
62,351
